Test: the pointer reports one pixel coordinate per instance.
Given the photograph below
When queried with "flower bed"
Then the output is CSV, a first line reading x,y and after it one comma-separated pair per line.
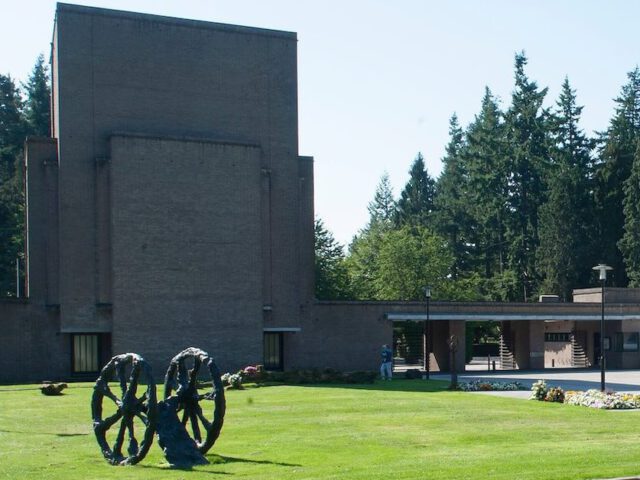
x,y
484,386
603,400
590,398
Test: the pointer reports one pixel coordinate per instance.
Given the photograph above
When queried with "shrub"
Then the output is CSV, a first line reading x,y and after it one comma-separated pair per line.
x,y
554,394
413,374
232,381
539,390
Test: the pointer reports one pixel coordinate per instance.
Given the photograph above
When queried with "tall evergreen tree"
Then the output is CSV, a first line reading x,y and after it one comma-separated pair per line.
x,y
565,255
364,250
484,157
12,134
332,281
38,103
451,199
415,205
528,158
382,209
629,244
618,147
12,127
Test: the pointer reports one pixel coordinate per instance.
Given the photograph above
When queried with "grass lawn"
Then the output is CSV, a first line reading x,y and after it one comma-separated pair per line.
x,y
402,429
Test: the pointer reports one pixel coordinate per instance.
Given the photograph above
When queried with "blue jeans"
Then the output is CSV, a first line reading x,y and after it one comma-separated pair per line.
x,y
386,371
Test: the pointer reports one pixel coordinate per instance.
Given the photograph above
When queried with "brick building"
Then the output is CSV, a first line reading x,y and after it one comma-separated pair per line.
x,y
171,208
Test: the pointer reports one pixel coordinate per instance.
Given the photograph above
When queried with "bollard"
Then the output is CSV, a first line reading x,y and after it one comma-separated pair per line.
x,y
494,365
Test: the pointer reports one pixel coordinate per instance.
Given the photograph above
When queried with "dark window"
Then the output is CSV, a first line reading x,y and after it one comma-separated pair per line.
x,y
626,342
85,353
557,337
273,351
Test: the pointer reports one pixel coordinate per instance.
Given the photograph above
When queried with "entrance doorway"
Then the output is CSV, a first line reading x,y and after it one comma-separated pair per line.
x,y
408,346
482,345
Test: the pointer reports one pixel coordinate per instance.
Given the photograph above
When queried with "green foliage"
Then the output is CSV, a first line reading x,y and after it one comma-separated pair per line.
x,y
12,127
38,105
362,261
331,277
617,150
18,119
527,161
486,199
451,208
416,199
410,258
382,209
11,234
566,252
629,244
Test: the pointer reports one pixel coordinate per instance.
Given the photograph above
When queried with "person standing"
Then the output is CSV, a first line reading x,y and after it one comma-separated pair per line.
x,y
386,369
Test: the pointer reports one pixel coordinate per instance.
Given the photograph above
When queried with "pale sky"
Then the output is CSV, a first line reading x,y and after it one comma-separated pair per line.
x,y
379,80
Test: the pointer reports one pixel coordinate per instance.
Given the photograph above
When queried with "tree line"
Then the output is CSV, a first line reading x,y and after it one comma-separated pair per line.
x,y
24,111
526,204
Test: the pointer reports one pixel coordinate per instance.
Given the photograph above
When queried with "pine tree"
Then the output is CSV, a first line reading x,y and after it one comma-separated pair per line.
x,y
416,199
629,244
332,281
12,136
565,255
382,209
12,127
38,104
528,158
451,199
618,147
486,200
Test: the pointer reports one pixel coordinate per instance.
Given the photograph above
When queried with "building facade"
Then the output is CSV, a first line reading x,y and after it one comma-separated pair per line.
x,y
171,208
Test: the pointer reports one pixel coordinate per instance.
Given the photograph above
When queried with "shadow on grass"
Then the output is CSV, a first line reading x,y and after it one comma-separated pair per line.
x,y
215,459
219,460
182,469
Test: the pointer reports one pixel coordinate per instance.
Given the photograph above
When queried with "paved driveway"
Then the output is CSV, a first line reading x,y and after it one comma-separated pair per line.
x,y
568,379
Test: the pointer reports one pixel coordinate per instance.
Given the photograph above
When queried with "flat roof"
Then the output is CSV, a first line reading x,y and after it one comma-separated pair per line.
x,y
106,12
504,317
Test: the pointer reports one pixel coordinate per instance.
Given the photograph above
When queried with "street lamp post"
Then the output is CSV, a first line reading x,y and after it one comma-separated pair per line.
x,y
602,269
427,346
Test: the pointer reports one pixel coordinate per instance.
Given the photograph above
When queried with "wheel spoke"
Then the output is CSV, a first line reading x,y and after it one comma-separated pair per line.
x,y
108,422
143,418
183,376
195,427
117,446
121,378
133,379
193,373
185,415
133,443
206,423
106,391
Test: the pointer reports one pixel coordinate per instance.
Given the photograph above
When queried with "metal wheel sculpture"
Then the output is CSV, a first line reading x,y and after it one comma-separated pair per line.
x,y
181,384
131,409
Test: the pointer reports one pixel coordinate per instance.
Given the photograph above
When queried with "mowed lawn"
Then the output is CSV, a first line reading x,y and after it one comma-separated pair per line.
x,y
402,429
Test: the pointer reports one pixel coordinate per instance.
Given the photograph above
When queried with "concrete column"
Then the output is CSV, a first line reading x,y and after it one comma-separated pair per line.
x,y
458,328
520,343
536,345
